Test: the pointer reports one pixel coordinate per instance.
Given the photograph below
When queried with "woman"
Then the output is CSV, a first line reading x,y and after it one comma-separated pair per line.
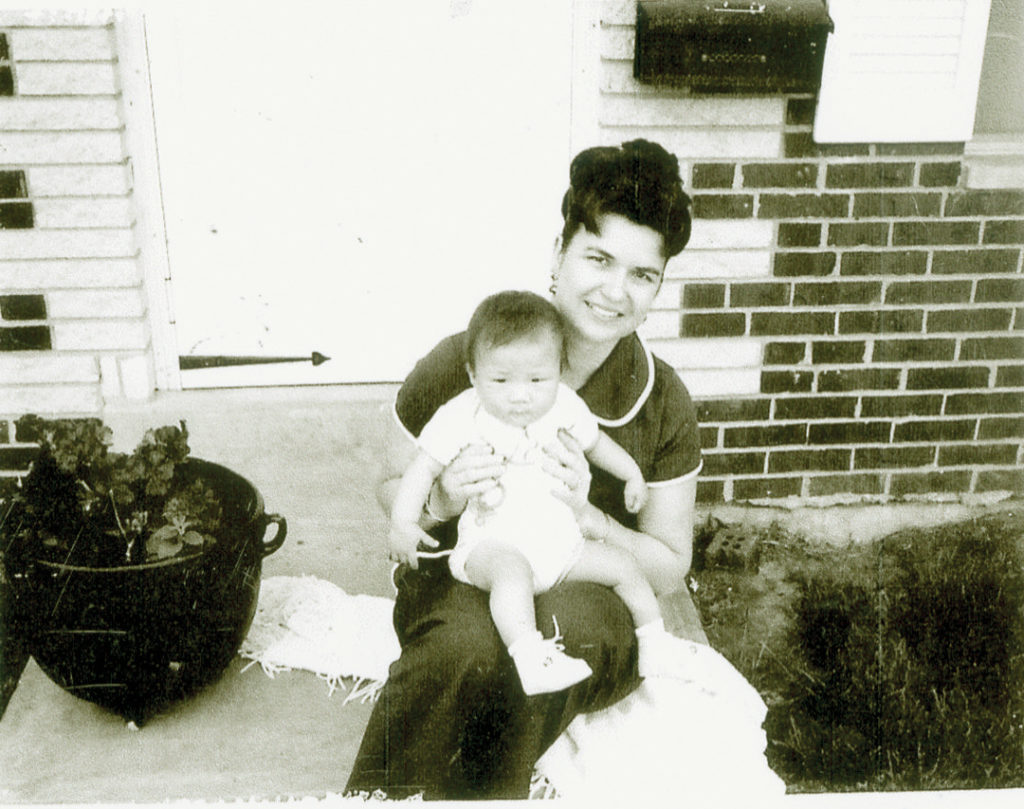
x,y
452,720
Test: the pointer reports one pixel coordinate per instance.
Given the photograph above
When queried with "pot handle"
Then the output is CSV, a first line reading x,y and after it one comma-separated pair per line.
x,y
268,548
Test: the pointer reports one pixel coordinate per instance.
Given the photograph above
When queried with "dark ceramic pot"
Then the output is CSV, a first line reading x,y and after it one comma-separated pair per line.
x,y
136,638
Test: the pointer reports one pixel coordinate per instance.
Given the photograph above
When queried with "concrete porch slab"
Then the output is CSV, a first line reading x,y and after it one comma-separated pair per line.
x,y
313,454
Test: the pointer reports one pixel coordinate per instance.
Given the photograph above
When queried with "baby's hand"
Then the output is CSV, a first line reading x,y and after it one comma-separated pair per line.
x,y
636,494
404,538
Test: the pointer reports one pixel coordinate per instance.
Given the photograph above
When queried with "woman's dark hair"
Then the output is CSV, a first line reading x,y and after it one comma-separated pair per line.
x,y
638,180
512,315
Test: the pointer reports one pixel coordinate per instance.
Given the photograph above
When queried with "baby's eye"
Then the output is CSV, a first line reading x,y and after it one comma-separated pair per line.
x,y
499,380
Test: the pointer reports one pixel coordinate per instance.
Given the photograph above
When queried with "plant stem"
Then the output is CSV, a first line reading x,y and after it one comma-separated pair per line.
x,y
120,527
3,522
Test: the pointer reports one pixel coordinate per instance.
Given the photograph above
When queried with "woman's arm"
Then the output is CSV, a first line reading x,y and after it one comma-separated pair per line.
x,y
399,452
663,545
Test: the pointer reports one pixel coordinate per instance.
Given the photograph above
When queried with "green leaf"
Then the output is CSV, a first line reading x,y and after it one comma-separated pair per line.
x,y
163,544
193,538
165,533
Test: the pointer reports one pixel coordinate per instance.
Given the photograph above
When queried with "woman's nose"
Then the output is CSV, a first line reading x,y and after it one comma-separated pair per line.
x,y
615,285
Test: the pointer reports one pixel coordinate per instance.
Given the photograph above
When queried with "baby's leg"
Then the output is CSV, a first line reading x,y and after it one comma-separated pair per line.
x,y
506,574
660,654
501,570
615,568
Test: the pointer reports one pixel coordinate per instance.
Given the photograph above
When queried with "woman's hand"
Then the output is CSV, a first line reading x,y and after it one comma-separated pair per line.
x,y
564,460
475,470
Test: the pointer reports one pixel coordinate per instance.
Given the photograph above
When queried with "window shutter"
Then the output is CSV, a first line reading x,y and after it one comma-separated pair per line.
x,y
901,71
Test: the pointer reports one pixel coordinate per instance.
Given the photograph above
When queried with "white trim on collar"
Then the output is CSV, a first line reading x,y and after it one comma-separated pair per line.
x,y
642,398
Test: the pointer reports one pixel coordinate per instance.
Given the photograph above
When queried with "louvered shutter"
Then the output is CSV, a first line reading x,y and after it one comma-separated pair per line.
x,y
901,71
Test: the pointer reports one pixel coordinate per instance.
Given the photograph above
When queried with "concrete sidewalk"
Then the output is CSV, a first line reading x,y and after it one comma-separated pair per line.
x,y
313,454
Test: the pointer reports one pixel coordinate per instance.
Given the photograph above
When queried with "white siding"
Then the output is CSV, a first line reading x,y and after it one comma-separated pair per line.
x,y
91,212
62,114
112,243
64,128
58,273
61,79
59,181
18,148
61,45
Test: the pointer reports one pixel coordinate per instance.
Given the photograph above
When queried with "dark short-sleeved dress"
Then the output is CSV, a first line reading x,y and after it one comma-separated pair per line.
x,y
452,721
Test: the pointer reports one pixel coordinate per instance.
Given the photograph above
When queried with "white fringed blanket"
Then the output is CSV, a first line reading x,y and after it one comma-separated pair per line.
x,y
670,740
303,622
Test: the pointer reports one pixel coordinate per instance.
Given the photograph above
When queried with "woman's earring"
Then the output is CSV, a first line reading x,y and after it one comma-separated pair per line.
x,y
554,284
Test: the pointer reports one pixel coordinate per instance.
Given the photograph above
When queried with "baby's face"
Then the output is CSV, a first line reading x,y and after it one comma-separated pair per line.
x,y
517,382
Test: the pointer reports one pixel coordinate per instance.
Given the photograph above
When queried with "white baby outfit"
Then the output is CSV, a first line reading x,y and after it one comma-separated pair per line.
x,y
529,517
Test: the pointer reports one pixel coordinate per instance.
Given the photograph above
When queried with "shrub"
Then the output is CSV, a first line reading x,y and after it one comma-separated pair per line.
x,y
895,665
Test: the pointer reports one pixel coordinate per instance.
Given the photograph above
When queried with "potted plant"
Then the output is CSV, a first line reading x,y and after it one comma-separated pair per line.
x,y
134,576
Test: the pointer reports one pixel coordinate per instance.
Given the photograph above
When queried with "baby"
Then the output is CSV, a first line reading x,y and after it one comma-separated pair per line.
x,y
519,539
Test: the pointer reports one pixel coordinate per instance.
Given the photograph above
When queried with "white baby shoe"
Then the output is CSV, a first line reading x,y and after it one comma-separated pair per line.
x,y
543,665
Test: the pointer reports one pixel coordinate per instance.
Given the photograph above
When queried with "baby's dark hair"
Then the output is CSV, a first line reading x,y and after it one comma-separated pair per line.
x,y
508,316
638,180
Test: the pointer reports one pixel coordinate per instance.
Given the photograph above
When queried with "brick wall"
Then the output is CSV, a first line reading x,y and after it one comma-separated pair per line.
x,y
73,326
848,317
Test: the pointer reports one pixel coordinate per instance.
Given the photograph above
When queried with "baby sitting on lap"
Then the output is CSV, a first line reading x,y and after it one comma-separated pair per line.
x,y
519,538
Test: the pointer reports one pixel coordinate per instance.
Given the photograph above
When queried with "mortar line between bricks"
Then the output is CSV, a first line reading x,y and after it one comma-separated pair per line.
x,y
887,469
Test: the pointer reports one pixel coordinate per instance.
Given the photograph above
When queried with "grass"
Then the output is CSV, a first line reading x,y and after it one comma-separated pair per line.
x,y
891,665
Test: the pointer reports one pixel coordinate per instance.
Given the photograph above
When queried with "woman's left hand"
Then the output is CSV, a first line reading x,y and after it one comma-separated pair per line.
x,y
564,460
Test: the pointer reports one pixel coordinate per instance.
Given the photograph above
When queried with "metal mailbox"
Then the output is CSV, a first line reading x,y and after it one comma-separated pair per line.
x,y
732,46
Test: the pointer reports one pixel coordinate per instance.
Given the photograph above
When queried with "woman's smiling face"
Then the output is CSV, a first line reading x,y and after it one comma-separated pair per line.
x,y
606,282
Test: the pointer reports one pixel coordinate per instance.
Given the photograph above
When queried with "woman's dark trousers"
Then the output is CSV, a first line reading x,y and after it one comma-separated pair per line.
x,y
452,721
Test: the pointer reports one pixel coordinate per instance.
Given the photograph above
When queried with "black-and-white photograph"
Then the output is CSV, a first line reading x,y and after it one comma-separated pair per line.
x,y
302,303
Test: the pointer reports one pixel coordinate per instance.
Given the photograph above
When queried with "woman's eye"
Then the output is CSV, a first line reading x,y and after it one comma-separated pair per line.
x,y
598,259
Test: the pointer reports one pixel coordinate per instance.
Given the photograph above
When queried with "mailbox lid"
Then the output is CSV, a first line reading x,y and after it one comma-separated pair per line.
x,y
670,16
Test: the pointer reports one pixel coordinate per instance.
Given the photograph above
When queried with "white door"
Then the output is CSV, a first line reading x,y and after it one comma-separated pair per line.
x,y
352,180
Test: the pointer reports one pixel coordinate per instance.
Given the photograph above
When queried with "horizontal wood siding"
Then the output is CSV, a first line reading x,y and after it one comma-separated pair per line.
x,y
74,313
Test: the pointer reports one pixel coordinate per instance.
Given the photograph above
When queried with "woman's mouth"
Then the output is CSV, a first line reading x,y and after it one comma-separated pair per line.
x,y
603,312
